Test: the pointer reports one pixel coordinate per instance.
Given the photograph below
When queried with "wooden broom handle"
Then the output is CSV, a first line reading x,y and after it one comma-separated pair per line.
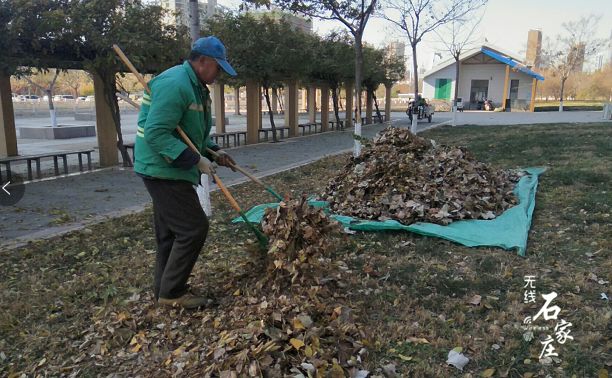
x,y
227,194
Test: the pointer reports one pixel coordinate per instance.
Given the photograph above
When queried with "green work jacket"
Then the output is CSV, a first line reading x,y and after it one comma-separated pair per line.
x,y
177,99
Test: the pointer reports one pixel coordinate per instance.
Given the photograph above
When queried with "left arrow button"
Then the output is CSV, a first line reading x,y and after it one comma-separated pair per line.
x,y
11,191
4,188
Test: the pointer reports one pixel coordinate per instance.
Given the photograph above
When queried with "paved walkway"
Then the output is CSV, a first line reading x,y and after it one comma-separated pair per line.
x,y
483,118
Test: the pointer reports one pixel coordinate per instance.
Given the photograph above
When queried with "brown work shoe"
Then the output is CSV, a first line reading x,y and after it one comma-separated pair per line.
x,y
187,300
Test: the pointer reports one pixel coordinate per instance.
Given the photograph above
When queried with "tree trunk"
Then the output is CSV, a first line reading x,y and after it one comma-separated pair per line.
x,y
49,92
279,97
358,70
413,127
334,90
457,64
237,100
561,94
110,90
272,125
454,105
194,20
376,106
51,107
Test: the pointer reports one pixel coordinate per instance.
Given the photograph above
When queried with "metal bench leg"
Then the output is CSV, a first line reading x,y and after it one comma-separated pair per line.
x,y
65,158
29,169
55,166
80,162
38,170
89,161
8,171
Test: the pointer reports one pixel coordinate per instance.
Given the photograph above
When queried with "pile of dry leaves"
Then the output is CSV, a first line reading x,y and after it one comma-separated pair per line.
x,y
407,178
300,242
289,318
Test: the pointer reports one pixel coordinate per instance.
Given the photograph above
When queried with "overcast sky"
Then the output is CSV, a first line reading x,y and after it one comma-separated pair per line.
x,y
505,24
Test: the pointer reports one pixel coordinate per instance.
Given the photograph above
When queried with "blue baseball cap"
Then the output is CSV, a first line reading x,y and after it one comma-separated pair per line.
x,y
213,47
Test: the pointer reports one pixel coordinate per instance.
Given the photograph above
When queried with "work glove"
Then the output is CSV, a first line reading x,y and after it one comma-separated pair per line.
x,y
206,167
224,160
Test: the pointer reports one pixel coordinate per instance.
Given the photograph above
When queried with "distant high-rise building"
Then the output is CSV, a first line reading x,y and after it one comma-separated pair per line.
x,y
180,10
599,62
533,56
297,22
610,48
398,49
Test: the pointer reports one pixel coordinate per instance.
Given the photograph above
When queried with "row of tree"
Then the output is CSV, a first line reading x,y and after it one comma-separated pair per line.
x,y
414,18
73,82
595,85
272,52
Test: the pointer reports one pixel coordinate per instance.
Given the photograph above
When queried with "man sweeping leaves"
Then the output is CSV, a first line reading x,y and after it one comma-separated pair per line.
x,y
169,168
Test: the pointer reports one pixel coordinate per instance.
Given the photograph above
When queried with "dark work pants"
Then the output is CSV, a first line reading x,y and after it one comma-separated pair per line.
x,y
181,227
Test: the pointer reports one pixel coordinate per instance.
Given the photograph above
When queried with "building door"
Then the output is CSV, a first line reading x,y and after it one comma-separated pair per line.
x,y
514,85
479,91
443,89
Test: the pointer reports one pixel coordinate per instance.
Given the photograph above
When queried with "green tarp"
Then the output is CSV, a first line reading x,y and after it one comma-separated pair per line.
x,y
507,231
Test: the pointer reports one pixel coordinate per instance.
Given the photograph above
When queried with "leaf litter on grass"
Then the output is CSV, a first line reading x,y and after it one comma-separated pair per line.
x,y
291,318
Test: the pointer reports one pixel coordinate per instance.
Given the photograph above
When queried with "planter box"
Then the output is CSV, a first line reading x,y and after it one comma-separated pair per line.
x,y
60,132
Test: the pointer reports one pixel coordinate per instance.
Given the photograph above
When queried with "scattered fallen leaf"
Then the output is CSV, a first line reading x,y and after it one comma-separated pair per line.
x,y
488,373
475,300
297,344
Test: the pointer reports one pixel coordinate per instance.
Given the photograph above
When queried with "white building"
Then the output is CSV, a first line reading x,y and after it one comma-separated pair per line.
x,y
483,74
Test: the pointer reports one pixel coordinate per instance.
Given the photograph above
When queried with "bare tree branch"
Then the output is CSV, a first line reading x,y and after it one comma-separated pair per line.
x,y
569,51
419,17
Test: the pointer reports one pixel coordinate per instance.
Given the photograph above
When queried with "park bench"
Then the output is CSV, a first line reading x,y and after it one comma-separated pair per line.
x,y
129,147
37,158
266,132
336,125
310,125
225,138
